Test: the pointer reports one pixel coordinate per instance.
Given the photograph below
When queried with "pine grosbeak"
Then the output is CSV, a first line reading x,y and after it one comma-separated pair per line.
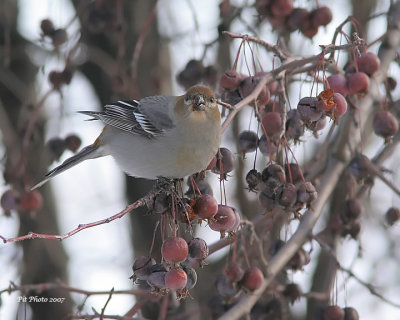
x,y
157,136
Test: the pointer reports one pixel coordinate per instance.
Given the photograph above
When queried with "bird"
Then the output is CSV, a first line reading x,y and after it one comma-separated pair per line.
x,y
155,137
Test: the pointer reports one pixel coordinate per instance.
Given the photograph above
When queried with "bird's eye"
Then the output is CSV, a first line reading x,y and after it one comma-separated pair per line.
x,y
212,100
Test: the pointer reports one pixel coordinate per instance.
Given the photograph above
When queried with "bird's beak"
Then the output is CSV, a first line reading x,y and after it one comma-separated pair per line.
x,y
198,103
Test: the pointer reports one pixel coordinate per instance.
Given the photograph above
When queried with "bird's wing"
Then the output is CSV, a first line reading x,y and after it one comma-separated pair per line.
x,y
149,121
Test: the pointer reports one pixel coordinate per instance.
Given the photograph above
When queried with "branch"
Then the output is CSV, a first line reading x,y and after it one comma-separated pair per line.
x,y
33,235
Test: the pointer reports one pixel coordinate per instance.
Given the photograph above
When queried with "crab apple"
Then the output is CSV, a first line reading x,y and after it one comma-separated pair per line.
x,y
333,313
306,192
225,287
58,37
307,28
231,79
247,87
248,141
262,7
253,279
9,200
267,200
350,314
253,178
267,146
292,292
317,125
294,173
191,74
385,124
281,8
275,171
225,162
296,17
156,279
300,259
72,142
31,200
338,83
357,82
341,105
307,108
287,195
294,125
272,122
392,216
191,277
368,62
206,206
142,267
47,27
234,272
56,146
321,16
174,249
198,249
351,210
175,279
391,83
224,220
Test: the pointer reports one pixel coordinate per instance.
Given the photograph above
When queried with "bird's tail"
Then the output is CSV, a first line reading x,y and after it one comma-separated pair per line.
x,y
90,152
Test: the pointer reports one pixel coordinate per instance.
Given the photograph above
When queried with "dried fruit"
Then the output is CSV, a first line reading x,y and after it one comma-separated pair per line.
x,y
358,83
368,62
224,220
206,206
198,249
385,124
248,141
338,83
225,162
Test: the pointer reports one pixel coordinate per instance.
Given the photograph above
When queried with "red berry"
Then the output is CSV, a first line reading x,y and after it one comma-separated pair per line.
x,y
385,124
272,123
281,8
357,82
321,16
267,146
287,195
338,83
224,220
175,279
341,104
174,249
206,206
253,279
231,79
368,62
333,313
31,200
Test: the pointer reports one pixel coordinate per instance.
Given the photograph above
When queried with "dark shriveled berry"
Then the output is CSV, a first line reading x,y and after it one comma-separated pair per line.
x,y
392,216
321,16
198,249
191,277
72,142
142,267
350,314
248,141
9,200
292,292
234,272
253,179
56,146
